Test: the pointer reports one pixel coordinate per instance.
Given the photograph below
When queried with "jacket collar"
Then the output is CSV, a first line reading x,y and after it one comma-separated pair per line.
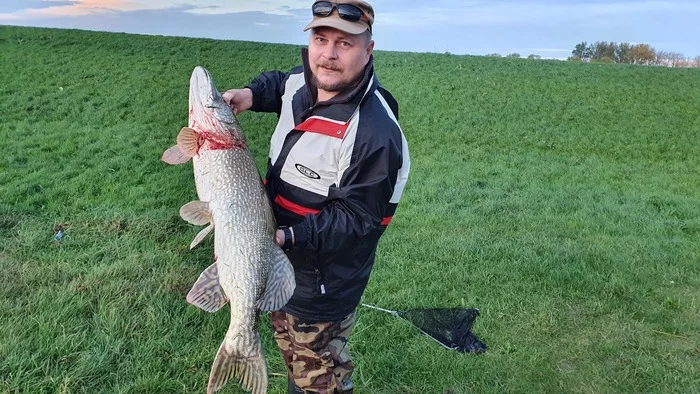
x,y
342,106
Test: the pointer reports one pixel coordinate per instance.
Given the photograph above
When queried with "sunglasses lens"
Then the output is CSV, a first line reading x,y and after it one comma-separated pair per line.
x,y
349,12
322,8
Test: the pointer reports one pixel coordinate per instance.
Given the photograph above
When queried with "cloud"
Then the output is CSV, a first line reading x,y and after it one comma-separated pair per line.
x,y
221,7
528,12
80,8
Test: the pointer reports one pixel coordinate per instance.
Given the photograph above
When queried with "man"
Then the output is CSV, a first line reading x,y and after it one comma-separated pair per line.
x,y
337,167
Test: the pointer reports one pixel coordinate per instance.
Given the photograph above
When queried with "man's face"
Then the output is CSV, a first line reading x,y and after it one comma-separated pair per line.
x,y
337,58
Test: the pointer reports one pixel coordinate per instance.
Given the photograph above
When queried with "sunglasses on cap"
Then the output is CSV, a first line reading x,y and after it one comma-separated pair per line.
x,y
349,12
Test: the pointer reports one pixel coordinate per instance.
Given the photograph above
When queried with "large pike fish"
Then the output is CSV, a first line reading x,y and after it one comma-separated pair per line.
x,y
250,271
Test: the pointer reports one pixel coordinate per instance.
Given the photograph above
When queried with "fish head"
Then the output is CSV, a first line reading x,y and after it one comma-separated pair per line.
x,y
210,116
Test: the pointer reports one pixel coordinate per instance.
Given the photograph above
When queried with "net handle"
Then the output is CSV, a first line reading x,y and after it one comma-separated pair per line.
x,y
395,313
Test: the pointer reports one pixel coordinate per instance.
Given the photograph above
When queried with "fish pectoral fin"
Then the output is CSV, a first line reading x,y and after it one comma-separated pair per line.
x,y
188,141
280,282
251,372
175,156
200,236
196,212
207,293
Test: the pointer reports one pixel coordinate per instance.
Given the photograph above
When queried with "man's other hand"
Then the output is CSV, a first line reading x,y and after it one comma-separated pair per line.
x,y
238,99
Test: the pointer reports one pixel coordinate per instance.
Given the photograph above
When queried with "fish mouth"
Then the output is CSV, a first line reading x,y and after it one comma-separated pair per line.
x,y
206,101
203,92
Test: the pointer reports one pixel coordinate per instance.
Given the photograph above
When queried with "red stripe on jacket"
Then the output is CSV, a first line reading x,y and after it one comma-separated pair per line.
x,y
301,210
293,207
323,126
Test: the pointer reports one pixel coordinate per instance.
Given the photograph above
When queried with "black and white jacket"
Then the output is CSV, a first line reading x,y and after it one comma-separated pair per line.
x,y
336,172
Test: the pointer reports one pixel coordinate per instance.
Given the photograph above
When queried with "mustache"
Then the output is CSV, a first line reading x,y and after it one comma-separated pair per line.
x,y
331,66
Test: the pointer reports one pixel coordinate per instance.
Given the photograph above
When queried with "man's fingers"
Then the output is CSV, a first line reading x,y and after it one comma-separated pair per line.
x,y
279,237
228,99
228,96
236,99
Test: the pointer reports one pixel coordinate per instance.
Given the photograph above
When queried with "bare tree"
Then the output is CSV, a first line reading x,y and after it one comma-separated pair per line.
x,y
677,60
663,58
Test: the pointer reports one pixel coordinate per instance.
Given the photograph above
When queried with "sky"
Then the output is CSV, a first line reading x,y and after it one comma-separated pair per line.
x,y
547,28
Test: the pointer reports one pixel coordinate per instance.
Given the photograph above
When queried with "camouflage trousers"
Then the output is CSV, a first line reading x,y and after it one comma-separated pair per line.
x,y
316,353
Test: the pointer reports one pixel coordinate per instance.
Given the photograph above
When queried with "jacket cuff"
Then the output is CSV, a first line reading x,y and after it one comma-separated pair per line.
x,y
301,234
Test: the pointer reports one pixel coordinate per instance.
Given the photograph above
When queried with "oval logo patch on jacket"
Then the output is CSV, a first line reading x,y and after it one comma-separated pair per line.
x,y
307,172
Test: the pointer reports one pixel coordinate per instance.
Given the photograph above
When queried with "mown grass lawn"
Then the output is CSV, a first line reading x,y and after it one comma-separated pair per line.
x,y
562,199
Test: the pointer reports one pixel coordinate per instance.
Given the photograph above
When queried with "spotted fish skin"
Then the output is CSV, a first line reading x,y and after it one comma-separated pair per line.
x,y
250,271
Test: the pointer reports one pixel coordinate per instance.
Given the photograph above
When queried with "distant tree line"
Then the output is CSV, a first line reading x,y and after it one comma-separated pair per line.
x,y
513,56
625,53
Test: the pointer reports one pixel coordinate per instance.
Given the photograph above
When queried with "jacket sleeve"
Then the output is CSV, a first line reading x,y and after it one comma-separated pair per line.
x,y
268,89
358,204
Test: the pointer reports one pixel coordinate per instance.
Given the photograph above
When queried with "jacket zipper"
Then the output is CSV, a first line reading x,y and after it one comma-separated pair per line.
x,y
319,281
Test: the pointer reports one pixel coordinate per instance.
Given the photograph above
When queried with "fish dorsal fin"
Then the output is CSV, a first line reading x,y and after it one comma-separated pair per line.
x,y
188,141
175,156
206,293
196,212
280,282
200,237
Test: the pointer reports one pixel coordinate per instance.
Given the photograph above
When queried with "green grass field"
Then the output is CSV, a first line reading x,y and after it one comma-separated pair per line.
x,y
562,199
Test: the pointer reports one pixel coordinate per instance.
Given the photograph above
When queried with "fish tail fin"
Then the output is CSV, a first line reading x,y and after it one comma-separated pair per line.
x,y
249,369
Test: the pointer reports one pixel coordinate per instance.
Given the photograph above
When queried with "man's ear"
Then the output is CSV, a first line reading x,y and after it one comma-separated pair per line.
x,y
370,48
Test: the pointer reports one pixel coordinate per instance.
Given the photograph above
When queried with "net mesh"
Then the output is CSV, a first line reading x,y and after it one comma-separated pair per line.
x,y
451,327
